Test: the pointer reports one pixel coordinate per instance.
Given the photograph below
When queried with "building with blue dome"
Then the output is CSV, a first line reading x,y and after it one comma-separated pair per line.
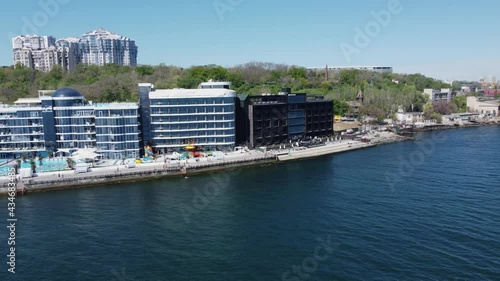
x,y
63,120
66,92
162,120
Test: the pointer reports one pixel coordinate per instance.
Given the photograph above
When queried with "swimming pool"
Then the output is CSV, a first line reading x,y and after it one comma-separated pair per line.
x,y
48,165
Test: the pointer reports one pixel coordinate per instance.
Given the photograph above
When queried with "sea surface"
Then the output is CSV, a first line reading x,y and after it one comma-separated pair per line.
x,y
422,210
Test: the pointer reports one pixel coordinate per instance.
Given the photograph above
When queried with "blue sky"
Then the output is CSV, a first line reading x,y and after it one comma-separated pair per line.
x,y
445,39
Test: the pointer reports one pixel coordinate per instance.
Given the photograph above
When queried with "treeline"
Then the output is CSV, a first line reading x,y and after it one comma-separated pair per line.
x,y
384,92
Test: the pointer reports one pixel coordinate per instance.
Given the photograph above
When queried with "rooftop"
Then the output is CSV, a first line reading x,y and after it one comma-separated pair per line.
x,y
70,40
105,34
192,93
117,105
27,101
67,93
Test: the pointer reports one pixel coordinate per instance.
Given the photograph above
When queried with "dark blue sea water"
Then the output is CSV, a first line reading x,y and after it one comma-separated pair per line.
x,y
424,210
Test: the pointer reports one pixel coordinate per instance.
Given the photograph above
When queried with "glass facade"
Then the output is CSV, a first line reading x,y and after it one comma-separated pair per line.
x,y
296,116
117,130
21,130
65,121
278,119
75,127
208,122
166,119
145,118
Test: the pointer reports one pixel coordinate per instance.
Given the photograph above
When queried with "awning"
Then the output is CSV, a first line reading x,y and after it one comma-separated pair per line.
x,y
85,154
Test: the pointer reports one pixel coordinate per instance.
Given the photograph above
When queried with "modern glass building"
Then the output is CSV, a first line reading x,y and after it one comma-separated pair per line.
x,y
21,128
296,115
175,118
276,119
62,121
117,130
72,118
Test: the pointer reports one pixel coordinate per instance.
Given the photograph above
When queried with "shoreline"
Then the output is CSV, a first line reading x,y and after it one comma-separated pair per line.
x,y
135,176
157,170
154,171
451,127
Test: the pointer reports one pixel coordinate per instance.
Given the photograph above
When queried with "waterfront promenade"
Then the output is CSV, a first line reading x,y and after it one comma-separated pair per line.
x,y
161,168
141,172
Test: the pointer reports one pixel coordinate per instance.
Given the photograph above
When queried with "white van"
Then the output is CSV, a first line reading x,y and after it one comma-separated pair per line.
x,y
82,168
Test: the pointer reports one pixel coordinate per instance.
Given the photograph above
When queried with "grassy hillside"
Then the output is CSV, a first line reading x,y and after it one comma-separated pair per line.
x,y
383,92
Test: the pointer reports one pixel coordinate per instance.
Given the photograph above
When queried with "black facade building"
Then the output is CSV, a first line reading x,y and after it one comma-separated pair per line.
x,y
319,117
266,120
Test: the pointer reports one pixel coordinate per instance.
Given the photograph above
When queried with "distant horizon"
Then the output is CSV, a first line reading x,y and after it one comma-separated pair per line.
x,y
441,42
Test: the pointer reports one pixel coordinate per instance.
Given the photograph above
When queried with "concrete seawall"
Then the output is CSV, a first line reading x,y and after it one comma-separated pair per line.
x,y
134,176
102,176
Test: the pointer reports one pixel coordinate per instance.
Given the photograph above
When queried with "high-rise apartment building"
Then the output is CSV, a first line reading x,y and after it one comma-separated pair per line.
x,y
34,42
98,47
102,47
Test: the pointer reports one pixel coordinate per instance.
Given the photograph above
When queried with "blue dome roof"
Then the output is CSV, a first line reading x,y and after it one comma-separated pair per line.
x,y
66,93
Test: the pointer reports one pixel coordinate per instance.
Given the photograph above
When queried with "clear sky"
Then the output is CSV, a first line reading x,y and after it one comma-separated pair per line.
x,y
445,39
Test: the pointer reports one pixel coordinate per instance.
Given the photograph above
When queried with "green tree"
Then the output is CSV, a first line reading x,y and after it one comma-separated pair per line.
x,y
218,73
298,85
3,76
340,107
461,103
33,165
189,82
144,70
418,102
326,86
40,160
438,117
428,110
297,72
348,77
53,78
236,79
90,74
